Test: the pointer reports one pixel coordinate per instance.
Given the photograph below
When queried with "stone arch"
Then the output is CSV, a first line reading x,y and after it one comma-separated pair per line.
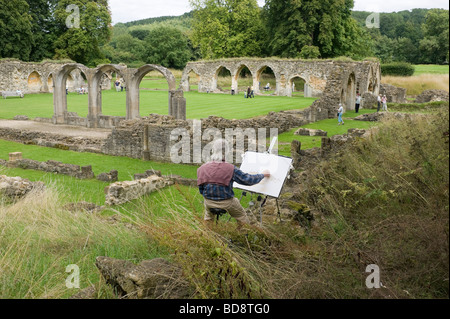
x,y
185,83
95,105
291,84
237,76
59,93
50,83
34,82
259,75
215,84
177,103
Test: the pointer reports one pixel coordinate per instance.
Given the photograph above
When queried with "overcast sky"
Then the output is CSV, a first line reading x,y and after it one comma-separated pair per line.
x,y
131,10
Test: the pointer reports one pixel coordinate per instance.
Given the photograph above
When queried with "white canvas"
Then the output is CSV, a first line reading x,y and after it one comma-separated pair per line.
x,y
256,163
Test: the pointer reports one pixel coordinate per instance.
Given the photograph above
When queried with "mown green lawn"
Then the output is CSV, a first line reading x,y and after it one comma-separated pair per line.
x,y
85,190
431,69
199,105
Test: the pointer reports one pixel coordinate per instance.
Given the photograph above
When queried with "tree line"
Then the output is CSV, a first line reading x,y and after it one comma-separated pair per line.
x,y
34,30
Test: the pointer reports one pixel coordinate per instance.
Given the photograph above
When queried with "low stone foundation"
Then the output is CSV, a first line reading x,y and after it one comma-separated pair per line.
x,y
432,96
310,132
17,187
76,171
71,143
122,192
393,94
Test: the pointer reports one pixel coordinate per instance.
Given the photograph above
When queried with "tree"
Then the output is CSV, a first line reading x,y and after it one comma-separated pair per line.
x,y
227,28
292,24
310,52
82,43
43,28
168,47
124,48
16,37
434,47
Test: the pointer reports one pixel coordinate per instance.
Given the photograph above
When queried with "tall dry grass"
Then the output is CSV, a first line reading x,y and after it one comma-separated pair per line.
x,y
415,85
384,201
39,238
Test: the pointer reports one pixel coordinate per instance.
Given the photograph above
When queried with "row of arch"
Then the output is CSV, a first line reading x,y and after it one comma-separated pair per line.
x,y
36,83
94,78
258,81
317,78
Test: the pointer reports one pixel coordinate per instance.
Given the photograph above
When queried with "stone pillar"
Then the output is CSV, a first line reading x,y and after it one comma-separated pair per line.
x,y
307,90
132,95
146,151
15,156
95,99
255,85
59,98
177,104
234,84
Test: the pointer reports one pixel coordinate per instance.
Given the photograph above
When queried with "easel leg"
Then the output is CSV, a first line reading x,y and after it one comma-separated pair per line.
x,y
279,212
260,210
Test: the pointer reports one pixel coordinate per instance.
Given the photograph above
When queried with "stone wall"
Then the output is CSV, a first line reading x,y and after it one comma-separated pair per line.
x,y
322,77
77,144
432,96
122,192
393,94
50,166
17,187
150,138
34,77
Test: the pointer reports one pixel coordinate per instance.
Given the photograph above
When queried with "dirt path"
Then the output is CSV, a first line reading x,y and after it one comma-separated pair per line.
x,y
66,130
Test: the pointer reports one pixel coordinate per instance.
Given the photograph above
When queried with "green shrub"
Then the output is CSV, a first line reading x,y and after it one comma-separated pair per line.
x,y
310,52
397,69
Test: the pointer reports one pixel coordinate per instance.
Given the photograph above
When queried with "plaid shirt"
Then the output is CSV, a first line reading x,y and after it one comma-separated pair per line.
x,y
220,192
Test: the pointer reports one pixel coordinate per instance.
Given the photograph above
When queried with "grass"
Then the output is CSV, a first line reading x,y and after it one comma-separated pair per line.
x,y
39,239
415,85
383,201
329,125
431,69
154,99
84,190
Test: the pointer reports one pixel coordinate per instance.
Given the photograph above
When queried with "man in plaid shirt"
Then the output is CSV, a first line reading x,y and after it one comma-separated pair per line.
x,y
215,182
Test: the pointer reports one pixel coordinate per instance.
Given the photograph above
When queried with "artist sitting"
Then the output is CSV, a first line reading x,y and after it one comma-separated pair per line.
x,y
215,181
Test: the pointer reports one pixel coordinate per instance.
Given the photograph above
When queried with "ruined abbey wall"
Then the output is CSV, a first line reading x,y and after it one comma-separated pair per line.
x,y
33,78
322,77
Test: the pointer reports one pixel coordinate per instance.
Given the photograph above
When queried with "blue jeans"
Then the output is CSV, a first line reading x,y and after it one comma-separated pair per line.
x,y
340,118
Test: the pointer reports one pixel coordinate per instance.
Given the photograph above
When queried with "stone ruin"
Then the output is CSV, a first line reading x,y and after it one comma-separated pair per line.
x,y
432,96
51,77
336,81
393,94
17,187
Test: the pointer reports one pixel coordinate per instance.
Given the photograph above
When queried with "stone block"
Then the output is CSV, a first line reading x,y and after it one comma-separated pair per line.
x,y
15,156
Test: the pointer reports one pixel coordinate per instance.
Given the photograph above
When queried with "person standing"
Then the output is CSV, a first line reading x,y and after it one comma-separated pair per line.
x,y
358,102
384,101
340,113
215,182
248,92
